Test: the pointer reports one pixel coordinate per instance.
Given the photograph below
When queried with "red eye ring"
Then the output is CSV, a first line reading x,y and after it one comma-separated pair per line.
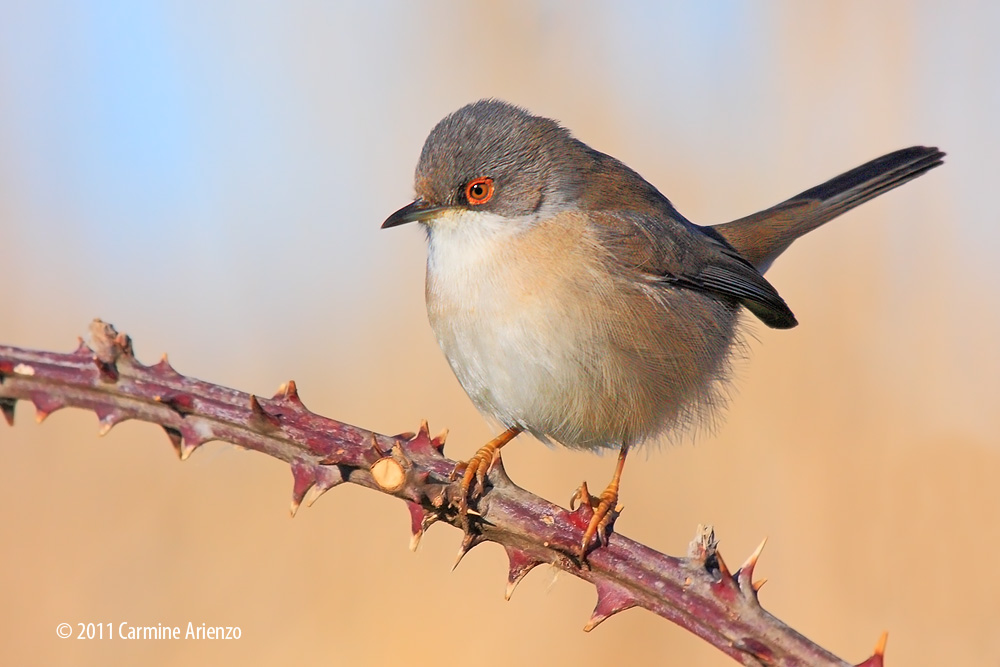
x,y
479,190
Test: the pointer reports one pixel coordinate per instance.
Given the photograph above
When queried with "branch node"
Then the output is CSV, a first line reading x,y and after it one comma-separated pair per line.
x,y
182,404
108,347
389,474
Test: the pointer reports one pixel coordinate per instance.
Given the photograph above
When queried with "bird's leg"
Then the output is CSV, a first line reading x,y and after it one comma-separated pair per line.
x,y
605,506
479,465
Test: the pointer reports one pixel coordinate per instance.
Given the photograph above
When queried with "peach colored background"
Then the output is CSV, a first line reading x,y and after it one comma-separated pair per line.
x,y
211,177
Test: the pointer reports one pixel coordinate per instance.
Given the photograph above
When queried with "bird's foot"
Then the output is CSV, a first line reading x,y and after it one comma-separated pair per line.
x,y
477,468
606,510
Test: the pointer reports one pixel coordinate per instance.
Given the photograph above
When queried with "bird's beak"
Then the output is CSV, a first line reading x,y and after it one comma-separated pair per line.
x,y
417,211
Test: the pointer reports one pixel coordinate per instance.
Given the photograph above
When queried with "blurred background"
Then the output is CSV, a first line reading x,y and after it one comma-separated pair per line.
x,y
210,177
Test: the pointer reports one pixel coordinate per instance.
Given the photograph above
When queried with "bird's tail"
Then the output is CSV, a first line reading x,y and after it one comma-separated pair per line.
x,y
761,237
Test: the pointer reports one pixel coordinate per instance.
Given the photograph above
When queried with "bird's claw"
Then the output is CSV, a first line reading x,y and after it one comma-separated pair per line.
x,y
605,511
476,469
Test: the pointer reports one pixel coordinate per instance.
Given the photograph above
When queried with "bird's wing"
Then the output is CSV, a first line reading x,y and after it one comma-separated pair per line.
x,y
668,249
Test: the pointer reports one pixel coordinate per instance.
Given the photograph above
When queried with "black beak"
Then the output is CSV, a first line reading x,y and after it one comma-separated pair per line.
x,y
417,211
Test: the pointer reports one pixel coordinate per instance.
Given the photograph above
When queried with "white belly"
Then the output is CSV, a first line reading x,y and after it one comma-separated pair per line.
x,y
542,336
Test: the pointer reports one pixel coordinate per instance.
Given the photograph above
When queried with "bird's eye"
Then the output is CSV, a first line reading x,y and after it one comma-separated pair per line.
x,y
479,190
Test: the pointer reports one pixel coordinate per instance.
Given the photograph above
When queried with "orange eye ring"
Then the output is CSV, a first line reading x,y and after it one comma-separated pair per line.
x,y
479,190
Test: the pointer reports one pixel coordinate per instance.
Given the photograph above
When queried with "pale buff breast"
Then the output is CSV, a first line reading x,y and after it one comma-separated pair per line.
x,y
542,335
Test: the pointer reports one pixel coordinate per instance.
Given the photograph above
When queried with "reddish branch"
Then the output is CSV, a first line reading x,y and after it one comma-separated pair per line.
x,y
698,592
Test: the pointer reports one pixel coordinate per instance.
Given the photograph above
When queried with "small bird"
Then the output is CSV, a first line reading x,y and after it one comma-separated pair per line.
x,y
572,300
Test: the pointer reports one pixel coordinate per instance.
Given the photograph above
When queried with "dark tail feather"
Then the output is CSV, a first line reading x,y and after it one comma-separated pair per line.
x,y
761,237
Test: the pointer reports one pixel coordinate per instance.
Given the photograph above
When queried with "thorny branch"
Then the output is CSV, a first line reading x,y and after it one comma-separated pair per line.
x,y
698,592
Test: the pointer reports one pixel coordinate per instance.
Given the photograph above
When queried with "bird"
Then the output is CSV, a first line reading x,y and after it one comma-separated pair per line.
x,y
572,300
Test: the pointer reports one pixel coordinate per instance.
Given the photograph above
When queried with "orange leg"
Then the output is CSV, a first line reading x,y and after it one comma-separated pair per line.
x,y
479,465
605,506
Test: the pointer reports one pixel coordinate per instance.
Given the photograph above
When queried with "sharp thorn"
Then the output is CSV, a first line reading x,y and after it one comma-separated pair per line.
x,y
519,566
757,585
260,418
81,347
470,540
611,599
187,449
375,446
7,408
424,429
175,438
744,575
439,439
880,645
751,562
724,572
303,479
314,493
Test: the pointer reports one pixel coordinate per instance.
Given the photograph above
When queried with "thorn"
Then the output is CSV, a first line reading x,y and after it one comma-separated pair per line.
x,y
723,569
175,438
520,565
424,429
757,585
288,392
878,657
315,492
108,419
187,449
438,440
468,542
260,419
375,446
45,405
81,348
406,435
163,366
303,479
880,644
745,574
7,408
417,516
611,599
420,521
181,446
